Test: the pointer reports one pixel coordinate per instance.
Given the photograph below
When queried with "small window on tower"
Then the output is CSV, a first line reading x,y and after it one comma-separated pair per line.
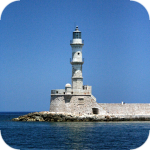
x,y
78,53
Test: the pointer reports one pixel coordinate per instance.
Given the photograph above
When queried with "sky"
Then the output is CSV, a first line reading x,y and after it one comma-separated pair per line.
x,y
35,51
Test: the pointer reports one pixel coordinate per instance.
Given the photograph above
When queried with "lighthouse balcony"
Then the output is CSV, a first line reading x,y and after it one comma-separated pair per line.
x,y
77,41
77,61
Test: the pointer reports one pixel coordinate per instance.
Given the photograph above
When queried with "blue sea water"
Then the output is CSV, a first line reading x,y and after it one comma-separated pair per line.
x,y
72,135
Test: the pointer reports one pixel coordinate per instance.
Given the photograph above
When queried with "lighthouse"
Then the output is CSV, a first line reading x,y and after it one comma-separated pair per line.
x,y
77,60
76,98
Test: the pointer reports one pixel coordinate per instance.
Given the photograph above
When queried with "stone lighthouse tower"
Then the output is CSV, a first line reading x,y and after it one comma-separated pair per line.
x,y
76,98
77,60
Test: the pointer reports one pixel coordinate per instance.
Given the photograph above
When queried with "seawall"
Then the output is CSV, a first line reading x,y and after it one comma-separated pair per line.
x,y
63,117
132,109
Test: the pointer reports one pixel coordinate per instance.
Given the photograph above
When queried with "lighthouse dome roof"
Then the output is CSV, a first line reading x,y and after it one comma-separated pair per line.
x,y
68,85
76,29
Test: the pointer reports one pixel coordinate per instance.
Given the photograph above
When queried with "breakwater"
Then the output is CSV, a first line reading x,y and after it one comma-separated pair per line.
x,y
63,117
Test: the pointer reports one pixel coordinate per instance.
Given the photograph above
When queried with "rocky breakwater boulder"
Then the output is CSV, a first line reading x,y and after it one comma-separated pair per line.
x,y
36,116
63,117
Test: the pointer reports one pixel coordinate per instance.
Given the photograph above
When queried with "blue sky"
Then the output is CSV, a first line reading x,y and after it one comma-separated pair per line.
x,y
35,51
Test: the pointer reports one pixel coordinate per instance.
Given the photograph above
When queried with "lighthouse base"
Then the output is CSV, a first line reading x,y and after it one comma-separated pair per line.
x,y
75,104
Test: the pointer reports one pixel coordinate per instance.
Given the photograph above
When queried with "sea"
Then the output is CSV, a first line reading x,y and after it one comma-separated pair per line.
x,y
72,135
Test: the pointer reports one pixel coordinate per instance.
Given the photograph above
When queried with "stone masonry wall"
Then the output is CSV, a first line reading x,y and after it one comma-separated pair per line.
x,y
126,109
77,105
57,103
82,105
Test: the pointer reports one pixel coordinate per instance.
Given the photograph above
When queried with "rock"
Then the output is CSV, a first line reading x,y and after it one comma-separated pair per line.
x,y
22,118
52,120
60,120
45,115
15,119
63,119
107,117
30,114
39,118
31,119
67,117
37,114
